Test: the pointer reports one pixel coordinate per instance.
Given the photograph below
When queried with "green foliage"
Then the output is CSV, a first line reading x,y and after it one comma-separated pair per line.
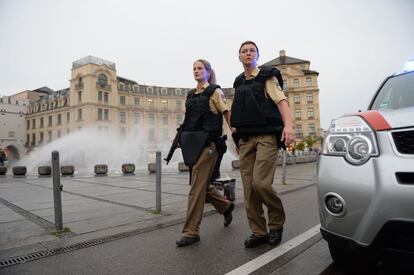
x,y
60,232
300,146
156,212
310,141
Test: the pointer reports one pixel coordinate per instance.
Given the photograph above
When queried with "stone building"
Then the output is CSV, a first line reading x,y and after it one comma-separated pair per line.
x,y
12,126
98,97
31,95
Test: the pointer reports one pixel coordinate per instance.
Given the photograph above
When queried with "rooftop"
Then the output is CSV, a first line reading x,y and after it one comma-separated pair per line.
x,y
92,60
283,59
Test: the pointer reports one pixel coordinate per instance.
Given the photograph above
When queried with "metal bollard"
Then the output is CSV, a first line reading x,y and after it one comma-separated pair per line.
x,y
284,158
57,188
317,163
158,182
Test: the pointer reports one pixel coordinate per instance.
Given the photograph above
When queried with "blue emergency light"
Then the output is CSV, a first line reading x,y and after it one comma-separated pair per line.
x,y
409,65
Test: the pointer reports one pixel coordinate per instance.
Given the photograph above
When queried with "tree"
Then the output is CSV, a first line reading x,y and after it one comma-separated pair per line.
x,y
300,146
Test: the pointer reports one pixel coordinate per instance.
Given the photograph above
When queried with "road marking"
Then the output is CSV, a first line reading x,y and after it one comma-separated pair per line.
x,y
271,255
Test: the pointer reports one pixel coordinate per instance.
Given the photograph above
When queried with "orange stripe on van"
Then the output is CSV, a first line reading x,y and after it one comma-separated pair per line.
x,y
375,120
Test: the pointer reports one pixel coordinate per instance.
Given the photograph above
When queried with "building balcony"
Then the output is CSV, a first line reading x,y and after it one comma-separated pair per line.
x,y
106,88
137,108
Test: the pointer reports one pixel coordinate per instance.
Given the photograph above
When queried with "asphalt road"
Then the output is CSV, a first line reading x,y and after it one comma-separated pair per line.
x,y
219,251
317,260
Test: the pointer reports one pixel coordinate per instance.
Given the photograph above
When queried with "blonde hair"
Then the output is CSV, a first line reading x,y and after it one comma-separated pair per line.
x,y
207,66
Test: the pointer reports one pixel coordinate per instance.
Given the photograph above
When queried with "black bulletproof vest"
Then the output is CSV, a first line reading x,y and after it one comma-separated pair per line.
x,y
252,113
198,115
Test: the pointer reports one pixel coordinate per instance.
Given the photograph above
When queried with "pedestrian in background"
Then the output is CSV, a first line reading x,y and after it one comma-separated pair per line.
x,y
203,123
261,117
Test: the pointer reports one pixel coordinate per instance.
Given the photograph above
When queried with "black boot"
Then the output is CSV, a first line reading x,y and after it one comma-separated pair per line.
x,y
253,241
228,217
185,240
275,236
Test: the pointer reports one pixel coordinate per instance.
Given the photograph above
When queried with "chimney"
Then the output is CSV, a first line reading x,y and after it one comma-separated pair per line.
x,y
282,53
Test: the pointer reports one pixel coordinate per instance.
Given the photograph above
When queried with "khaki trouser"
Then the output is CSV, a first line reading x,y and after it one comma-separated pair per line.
x,y
258,160
201,191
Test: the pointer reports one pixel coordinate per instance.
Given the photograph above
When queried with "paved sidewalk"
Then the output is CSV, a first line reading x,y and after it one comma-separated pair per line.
x,y
97,207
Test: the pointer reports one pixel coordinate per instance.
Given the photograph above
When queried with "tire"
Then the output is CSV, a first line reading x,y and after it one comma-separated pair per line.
x,y
353,261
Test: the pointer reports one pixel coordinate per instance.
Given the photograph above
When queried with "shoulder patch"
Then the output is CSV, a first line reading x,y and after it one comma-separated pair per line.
x,y
222,95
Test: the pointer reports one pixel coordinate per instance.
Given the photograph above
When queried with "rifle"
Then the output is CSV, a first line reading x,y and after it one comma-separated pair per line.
x,y
174,144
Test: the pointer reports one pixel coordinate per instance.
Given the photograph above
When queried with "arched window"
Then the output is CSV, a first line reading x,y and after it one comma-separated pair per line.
x,y
102,80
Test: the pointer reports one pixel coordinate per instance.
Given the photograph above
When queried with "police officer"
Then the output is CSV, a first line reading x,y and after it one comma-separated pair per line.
x,y
261,118
205,108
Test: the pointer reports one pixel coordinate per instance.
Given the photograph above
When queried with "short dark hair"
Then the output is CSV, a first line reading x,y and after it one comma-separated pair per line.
x,y
249,42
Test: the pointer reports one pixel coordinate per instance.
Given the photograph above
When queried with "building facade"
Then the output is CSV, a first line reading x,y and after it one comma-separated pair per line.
x,y
98,98
301,89
31,95
12,125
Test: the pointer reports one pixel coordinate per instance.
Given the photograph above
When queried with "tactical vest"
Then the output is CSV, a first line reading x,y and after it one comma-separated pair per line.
x,y
252,113
198,115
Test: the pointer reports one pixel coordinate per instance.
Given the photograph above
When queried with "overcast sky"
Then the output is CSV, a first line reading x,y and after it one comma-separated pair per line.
x,y
353,44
